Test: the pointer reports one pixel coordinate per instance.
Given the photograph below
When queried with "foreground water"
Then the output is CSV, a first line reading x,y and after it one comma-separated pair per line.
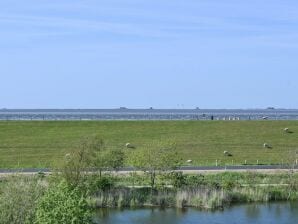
x,y
267,213
147,114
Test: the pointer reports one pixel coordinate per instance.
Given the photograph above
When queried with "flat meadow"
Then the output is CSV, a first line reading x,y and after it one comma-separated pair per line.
x,y
25,144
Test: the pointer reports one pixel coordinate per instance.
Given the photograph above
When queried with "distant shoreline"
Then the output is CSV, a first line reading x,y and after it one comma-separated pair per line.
x,y
149,108
148,114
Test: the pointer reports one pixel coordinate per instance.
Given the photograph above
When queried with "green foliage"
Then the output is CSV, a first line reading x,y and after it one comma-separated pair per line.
x,y
228,184
74,168
63,204
91,153
195,180
178,179
229,180
114,159
96,183
156,157
18,197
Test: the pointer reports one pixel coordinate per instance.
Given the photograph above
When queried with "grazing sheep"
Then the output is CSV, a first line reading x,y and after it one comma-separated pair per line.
x,y
128,145
287,130
226,153
265,118
189,161
266,145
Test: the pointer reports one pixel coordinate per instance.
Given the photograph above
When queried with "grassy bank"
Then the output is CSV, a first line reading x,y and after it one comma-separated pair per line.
x,y
211,191
199,197
38,198
41,143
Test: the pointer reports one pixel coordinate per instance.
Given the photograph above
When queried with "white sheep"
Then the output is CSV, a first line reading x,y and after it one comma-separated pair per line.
x,y
226,153
189,161
286,130
266,145
128,145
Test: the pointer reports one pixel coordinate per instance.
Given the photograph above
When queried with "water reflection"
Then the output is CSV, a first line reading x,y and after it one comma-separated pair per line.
x,y
252,212
145,216
271,213
293,210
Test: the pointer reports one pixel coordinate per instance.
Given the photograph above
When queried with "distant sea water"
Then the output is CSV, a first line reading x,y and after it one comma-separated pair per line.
x,y
148,114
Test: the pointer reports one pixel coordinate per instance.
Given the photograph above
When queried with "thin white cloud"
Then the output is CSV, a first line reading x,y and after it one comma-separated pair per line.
x,y
139,22
79,25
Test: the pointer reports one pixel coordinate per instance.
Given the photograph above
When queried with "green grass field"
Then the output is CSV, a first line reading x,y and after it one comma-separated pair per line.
x,y
43,143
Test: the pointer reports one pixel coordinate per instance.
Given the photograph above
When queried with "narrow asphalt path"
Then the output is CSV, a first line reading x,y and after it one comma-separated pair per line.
x,y
183,169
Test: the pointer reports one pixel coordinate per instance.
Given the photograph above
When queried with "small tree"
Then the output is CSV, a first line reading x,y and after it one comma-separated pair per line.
x,y
160,156
77,162
91,154
108,160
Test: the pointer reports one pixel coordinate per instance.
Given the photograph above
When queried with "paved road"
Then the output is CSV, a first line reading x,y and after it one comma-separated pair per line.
x,y
183,168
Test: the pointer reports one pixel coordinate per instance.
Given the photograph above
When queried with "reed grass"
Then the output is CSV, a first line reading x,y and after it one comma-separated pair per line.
x,y
200,197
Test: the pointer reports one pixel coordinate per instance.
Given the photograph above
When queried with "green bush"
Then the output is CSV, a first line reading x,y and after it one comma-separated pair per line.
x,y
195,180
62,204
228,184
102,183
178,179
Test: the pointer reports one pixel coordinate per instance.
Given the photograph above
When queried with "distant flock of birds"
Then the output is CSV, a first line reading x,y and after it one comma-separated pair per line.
x,y
226,153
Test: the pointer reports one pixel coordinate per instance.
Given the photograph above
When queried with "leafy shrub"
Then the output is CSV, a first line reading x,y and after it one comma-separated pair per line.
x,y
103,183
178,179
228,184
62,204
195,180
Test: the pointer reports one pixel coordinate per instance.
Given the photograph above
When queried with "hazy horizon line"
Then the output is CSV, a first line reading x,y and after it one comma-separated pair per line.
x,y
148,108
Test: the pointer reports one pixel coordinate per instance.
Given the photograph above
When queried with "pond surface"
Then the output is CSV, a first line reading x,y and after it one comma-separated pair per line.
x,y
270,213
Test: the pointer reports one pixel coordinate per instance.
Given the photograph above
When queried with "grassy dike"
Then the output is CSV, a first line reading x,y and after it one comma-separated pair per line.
x,y
44,143
71,194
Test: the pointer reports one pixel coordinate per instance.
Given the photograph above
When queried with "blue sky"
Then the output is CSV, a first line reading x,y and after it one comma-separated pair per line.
x,y
137,53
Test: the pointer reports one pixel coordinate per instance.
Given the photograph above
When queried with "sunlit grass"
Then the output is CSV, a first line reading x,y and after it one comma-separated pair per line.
x,y
42,143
